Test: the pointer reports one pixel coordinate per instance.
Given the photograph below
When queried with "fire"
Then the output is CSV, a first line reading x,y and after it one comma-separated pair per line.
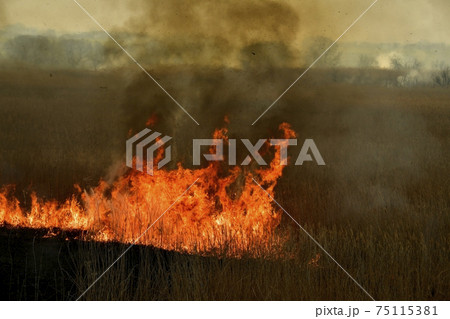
x,y
222,213
152,120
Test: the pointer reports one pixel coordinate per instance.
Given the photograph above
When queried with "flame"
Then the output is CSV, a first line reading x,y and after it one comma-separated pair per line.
x,y
151,121
223,212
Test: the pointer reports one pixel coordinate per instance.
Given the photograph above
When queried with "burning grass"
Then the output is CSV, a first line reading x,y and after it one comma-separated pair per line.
x,y
214,215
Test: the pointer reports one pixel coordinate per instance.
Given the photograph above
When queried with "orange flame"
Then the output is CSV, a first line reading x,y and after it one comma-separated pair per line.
x,y
221,213
151,121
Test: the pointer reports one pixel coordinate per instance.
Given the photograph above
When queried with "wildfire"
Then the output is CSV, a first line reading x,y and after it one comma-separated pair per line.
x,y
223,212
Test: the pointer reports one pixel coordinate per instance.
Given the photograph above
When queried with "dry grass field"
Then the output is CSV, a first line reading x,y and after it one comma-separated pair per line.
x,y
380,207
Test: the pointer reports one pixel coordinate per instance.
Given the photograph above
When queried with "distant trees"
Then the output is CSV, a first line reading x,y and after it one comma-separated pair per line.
x,y
55,52
315,46
366,61
278,54
401,63
441,77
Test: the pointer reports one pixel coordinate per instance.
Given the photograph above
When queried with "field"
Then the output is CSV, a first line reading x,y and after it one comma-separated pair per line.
x,y
380,206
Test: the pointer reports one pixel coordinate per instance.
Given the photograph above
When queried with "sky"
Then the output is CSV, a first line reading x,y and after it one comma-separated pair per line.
x,y
404,21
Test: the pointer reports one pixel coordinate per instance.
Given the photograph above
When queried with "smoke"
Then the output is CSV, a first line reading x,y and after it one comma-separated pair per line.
x,y
3,20
218,58
221,59
210,96
215,33
238,22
